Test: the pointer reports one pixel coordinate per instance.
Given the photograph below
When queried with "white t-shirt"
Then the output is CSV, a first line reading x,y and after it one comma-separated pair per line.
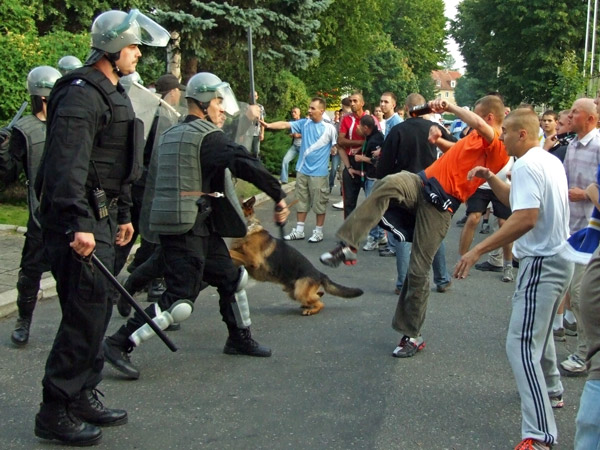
x,y
539,181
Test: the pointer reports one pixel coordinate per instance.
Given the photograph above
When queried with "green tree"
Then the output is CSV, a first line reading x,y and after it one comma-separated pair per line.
x,y
516,46
419,28
468,90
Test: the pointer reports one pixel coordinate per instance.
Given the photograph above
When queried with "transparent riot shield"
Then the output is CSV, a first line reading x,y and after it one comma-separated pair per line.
x,y
144,102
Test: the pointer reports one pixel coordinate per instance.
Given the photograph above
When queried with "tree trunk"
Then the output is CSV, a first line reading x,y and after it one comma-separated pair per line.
x,y
174,55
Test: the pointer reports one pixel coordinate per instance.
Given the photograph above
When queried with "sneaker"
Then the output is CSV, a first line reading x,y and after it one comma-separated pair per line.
x,y
317,236
397,291
487,267
461,222
485,228
383,241
574,366
559,335
371,244
570,327
338,205
557,402
387,252
531,444
341,253
507,274
408,347
295,235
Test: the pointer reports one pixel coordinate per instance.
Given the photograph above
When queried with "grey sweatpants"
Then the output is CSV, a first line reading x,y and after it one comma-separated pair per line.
x,y
541,284
431,226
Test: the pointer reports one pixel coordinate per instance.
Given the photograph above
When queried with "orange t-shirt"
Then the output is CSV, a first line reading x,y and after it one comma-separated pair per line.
x,y
473,150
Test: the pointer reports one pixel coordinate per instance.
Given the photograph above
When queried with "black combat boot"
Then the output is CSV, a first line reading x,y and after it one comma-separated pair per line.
x,y
56,422
117,355
26,305
240,342
91,410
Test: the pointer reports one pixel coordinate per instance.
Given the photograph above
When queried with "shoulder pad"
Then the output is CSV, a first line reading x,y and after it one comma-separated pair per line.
x,y
78,82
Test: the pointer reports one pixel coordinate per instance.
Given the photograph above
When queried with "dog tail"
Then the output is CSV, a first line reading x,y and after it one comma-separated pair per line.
x,y
333,288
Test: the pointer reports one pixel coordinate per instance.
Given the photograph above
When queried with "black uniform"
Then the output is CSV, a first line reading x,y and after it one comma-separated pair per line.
x,y
186,256
91,144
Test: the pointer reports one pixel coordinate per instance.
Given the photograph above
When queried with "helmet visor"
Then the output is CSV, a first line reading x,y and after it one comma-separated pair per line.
x,y
150,33
230,104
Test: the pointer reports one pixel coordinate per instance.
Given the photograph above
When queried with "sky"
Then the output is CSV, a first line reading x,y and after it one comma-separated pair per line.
x,y
452,47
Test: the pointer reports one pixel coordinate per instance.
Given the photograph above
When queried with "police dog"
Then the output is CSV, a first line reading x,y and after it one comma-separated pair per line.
x,y
269,259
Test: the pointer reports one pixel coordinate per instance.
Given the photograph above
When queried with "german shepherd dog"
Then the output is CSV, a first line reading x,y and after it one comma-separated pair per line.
x,y
269,259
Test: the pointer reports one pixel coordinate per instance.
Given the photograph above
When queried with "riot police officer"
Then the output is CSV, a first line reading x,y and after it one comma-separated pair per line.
x,y
91,156
68,63
192,216
25,149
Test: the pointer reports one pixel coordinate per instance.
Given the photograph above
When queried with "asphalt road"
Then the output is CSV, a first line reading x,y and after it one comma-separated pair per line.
x,y
331,382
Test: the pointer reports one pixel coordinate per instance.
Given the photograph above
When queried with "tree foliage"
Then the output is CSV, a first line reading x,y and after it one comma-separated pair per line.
x,y
517,46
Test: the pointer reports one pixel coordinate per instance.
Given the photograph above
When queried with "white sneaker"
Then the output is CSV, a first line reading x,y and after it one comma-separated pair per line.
x,y
295,235
317,236
383,241
574,365
338,205
370,245
507,274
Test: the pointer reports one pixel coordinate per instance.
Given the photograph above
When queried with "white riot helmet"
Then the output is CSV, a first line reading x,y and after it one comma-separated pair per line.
x,y
112,31
205,86
68,63
40,80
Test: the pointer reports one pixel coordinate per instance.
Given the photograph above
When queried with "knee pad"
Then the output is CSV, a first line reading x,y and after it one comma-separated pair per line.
x,y
241,309
178,312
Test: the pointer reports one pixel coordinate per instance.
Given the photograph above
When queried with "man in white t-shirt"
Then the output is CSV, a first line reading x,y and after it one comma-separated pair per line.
x,y
312,169
539,227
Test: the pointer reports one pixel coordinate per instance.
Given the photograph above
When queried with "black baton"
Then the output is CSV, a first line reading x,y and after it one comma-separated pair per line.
x,y
168,342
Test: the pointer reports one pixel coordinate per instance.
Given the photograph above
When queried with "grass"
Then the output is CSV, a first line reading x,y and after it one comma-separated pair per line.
x,y
13,214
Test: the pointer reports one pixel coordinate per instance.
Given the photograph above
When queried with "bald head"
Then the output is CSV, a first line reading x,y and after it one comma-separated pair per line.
x,y
583,116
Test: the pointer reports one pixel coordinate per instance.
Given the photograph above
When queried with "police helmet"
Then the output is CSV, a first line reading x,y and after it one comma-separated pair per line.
x,y
40,80
205,86
112,31
68,63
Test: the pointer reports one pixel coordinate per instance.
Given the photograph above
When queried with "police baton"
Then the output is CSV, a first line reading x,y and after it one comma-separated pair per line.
x,y
168,342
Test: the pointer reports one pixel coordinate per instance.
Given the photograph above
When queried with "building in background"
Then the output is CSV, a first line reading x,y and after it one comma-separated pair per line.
x,y
445,83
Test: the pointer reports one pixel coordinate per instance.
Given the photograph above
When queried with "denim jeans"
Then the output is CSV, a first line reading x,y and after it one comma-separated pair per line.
x,y
287,159
441,277
335,163
587,432
376,232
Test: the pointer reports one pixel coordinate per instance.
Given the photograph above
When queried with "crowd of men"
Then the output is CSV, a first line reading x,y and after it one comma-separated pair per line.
x,y
96,173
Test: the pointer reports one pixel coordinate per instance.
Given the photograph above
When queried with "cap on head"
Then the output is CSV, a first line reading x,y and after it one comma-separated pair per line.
x,y
112,31
40,80
68,63
168,82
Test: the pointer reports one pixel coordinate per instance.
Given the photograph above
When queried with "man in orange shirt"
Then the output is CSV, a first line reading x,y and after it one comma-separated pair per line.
x,y
431,196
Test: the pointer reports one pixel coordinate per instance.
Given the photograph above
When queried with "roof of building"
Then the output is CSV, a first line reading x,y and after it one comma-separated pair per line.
x,y
445,76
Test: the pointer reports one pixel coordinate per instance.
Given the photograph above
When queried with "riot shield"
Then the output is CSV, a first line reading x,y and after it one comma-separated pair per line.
x,y
144,104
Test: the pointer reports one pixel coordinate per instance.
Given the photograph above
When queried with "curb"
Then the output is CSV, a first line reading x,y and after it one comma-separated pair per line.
x,y
8,299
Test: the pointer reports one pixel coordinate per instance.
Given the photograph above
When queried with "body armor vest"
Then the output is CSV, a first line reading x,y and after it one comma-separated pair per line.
x,y
118,149
178,182
34,132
